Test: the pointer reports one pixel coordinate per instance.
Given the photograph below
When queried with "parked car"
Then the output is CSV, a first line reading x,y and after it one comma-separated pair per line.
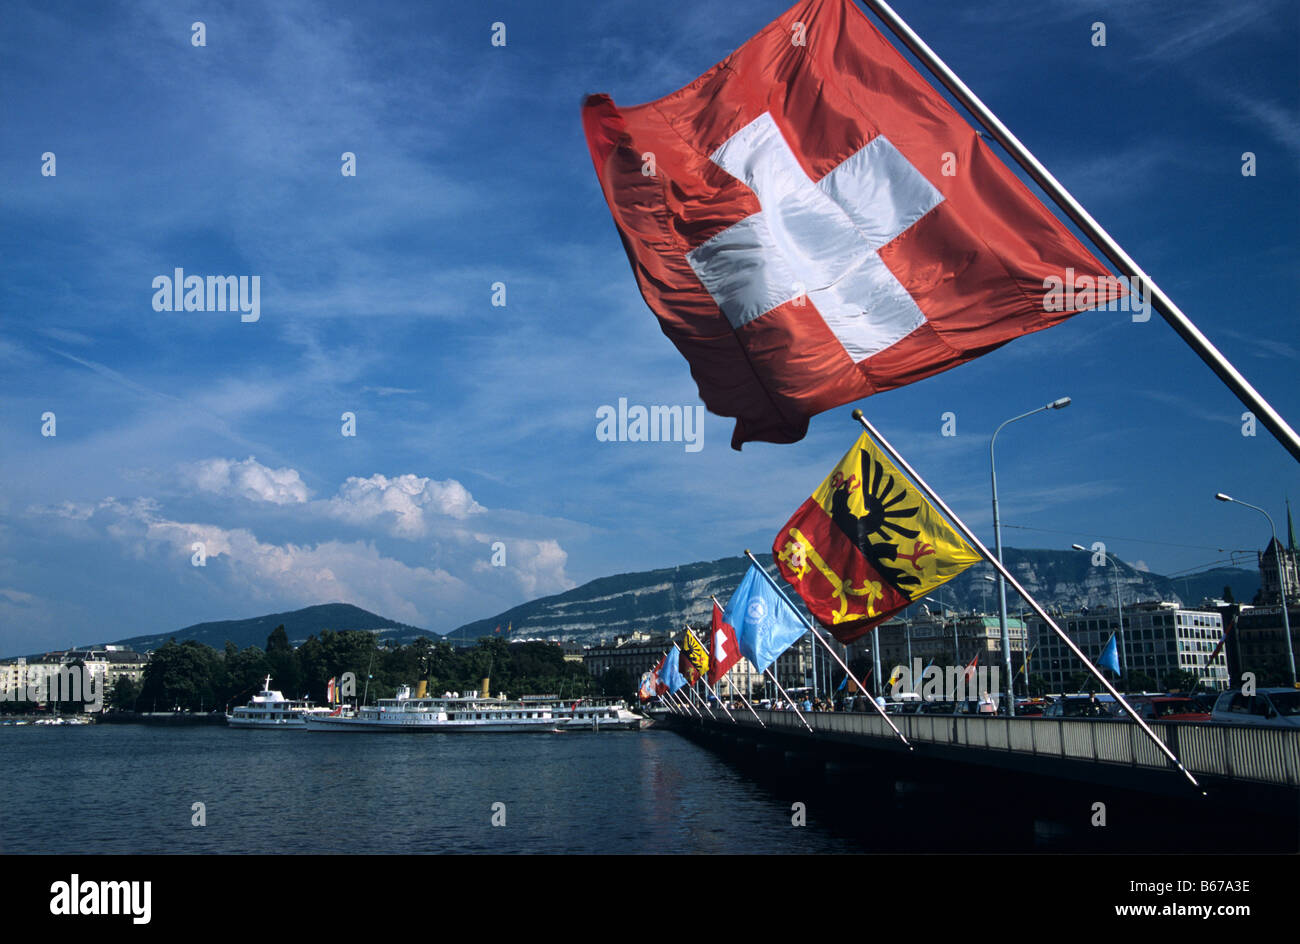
x,y
1275,707
937,707
1166,708
1081,706
1030,709
908,706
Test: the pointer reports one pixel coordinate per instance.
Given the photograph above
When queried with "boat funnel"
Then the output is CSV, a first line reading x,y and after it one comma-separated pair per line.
x,y
483,690
422,688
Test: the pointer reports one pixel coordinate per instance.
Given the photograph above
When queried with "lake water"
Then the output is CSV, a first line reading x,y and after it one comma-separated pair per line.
x,y
131,789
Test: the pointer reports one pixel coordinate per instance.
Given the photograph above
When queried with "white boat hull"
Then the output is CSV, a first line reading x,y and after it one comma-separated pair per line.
x,y
439,723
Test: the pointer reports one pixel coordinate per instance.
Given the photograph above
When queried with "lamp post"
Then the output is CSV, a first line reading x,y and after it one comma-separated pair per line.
x,y
875,660
907,628
1058,404
1121,650
1281,580
956,653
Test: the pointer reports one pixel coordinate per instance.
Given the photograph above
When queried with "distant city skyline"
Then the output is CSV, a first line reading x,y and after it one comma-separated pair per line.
x,y
413,421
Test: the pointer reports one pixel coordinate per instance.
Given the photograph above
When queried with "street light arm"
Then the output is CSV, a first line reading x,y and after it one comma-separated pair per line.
x,y
1276,547
1012,420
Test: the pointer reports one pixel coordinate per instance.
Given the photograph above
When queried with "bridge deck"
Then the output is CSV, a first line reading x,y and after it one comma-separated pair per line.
x,y
1235,754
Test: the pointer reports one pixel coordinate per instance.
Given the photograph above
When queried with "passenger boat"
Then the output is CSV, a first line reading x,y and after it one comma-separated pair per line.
x,y
452,714
270,709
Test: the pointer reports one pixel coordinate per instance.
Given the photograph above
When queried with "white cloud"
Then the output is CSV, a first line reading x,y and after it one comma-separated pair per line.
x,y
17,596
254,571
401,502
354,572
249,479
537,567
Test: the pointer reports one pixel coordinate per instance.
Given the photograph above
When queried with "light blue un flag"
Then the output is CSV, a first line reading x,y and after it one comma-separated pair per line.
x,y
1110,658
670,675
765,623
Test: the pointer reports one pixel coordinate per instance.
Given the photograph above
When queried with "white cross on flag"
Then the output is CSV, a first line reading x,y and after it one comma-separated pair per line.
x,y
723,645
812,223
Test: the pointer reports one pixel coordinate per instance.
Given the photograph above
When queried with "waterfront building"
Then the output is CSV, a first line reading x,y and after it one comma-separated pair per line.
x,y
931,640
634,654
640,652
1159,640
13,676
1277,563
106,663
1261,646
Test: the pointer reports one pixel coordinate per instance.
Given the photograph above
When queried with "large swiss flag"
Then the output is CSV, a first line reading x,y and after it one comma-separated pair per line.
x,y
812,223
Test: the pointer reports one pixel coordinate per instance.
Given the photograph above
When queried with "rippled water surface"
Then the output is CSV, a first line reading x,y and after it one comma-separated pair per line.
x,y
131,788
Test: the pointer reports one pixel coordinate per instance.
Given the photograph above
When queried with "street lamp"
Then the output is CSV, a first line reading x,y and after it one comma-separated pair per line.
x,y
956,652
1281,580
1120,651
907,628
1058,404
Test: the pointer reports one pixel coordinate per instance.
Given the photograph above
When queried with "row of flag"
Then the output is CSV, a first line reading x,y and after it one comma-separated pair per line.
x,y
863,547
812,223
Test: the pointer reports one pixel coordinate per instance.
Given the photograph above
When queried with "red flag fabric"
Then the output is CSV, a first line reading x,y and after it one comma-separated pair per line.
x,y
970,669
687,668
812,223
660,687
724,649
1232,622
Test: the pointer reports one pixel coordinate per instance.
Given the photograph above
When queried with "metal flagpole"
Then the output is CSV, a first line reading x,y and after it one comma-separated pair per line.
x,y
861,684
1015,585
721,704
704,704
683,701
745,702
740,695
786,696
700,678
663,698
705,680
1024,664
1091,228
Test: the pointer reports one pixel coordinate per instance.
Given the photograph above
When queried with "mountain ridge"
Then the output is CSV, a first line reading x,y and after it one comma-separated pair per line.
x,y
665,598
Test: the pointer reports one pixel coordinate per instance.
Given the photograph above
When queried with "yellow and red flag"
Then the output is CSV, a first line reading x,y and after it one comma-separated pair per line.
x,y
695,658
866,545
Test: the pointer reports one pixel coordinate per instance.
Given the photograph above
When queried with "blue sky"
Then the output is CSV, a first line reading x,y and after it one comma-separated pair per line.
x,y
476,424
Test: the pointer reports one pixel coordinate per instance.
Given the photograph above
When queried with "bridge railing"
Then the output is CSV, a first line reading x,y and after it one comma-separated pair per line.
x,y
1239,752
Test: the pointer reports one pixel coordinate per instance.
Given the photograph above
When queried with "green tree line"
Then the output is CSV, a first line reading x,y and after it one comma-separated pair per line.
x,y
195,677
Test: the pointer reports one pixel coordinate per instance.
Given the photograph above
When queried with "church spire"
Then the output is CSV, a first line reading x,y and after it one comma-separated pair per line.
x,y
1290,528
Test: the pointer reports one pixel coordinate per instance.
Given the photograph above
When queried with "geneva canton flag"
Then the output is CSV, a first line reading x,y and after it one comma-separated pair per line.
x,y
765,624
812,223
866,544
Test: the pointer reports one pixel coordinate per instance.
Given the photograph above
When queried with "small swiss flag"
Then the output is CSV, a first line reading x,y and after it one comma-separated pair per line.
x,y
724,650
813,223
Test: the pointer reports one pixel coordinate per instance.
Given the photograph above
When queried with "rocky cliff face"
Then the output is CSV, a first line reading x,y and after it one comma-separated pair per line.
x,y
659,600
